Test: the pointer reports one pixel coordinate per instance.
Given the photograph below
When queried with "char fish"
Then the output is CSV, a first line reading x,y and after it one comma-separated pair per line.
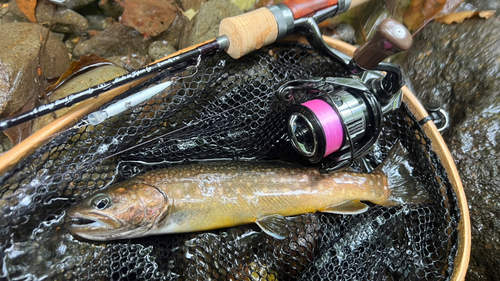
x,y
213,195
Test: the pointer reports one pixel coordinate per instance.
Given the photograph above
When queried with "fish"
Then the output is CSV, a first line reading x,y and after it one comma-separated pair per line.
x,y
212,195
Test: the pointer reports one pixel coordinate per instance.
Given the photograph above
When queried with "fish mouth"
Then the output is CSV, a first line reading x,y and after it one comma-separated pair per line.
x,y
79,222
104,228
98,222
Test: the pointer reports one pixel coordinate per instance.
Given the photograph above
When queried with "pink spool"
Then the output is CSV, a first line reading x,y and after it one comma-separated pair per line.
x,y
330,122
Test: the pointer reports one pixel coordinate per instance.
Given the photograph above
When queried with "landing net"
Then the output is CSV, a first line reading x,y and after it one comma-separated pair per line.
x,y
226,109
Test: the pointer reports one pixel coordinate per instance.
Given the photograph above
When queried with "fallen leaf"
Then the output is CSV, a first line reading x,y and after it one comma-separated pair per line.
x,y
189,13
27,7
461,16
244,5
75,67
149,17
421,11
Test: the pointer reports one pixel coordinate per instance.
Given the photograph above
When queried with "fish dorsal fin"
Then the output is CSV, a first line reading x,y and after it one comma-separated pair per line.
x,y
351,207
274,225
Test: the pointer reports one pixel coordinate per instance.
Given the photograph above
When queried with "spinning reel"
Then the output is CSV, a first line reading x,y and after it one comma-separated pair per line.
x,y
341,118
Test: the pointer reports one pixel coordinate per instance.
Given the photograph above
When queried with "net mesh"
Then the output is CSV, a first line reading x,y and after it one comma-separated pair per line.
x,y
224,109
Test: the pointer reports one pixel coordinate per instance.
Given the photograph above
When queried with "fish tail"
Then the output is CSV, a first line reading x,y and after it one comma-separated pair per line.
x,y
404,188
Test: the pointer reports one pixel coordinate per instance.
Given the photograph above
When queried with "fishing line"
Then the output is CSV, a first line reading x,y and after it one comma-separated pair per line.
x,y
191,123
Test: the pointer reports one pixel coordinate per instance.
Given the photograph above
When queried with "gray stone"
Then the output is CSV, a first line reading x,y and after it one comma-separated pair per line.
x,y
160,49
486,4
205,24
5,143
19,58
71,42
62,19
99,22
345,32
130,63
118,40
10,17
111,8
458,66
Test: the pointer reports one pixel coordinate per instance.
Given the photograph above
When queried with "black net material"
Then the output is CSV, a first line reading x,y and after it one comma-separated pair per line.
x,y
224,109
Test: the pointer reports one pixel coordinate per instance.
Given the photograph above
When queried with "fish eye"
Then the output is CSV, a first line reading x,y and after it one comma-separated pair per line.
x,y
100,202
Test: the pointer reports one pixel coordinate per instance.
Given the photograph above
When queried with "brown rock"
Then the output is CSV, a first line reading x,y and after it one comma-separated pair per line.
x,y
118,40
149,17
173,34
19,58
62,19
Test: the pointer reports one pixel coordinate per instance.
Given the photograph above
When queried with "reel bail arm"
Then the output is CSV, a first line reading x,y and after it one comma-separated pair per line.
x,y
390,38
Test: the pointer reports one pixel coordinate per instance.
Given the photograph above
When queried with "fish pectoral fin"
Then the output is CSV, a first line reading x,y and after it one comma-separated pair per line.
x,y
274,225
351,207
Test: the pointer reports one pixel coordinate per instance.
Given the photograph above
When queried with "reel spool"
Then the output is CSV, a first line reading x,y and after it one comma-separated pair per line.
x,y
344,122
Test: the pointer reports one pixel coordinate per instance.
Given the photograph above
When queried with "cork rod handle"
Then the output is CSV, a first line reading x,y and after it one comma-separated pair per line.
x,y
251,31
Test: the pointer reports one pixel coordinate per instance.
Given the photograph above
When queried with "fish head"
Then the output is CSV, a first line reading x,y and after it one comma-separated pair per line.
x,y
124,210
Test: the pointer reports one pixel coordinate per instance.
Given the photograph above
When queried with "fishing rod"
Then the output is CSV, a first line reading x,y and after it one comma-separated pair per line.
x,y
238,36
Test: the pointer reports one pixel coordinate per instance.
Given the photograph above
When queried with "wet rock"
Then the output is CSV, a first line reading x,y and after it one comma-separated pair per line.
x,y
160,49
76,84
173,34
10,17
71,42
459,66
5,143
191,4
149,17
111,8
62,19
4,9
345,32
486,4
132,62
99,22
205,24
118,40
72,3
19,79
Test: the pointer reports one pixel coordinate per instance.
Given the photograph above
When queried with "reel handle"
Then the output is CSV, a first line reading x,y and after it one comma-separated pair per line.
x,y
391,38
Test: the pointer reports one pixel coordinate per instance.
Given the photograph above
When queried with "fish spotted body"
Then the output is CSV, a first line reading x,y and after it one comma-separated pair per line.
x,y
212,195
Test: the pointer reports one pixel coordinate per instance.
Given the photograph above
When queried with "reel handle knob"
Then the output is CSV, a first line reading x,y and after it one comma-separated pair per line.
x,y
391,38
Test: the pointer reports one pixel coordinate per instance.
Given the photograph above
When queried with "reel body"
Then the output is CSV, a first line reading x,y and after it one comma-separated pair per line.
x,y
341,119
